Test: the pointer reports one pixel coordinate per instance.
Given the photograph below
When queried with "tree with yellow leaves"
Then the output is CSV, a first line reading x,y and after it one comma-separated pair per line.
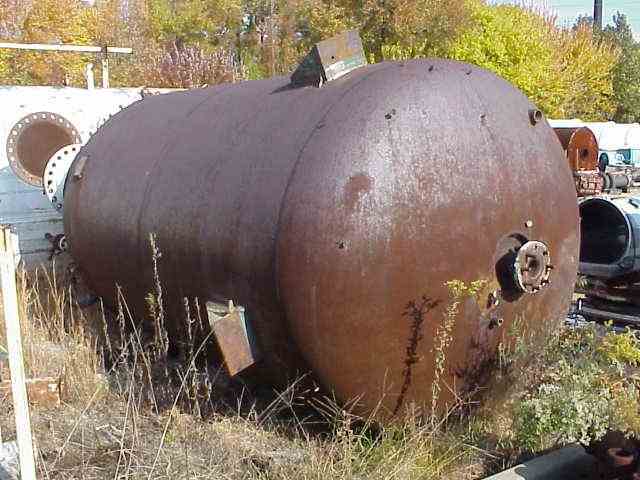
x,y
54,21
565,73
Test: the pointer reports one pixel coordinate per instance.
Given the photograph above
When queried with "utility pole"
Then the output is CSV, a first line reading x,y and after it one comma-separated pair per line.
x,y
597,15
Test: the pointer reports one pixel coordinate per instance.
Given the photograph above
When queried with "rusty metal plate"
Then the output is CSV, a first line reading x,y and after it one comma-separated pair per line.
x,y
581,147
588,183
234,336
341,54
331,59
40,391
582,151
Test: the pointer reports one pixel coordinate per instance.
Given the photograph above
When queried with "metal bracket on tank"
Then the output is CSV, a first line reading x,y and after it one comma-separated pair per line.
x,y
234,335
330,59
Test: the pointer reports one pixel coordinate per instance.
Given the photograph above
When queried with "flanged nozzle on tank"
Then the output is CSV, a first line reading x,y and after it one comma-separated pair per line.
x,y
56,172
532,267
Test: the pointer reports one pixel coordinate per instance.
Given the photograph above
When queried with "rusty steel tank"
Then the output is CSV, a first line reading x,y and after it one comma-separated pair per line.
x,y
343,217
581,147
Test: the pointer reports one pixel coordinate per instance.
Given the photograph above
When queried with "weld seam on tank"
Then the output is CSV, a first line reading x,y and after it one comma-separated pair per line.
x,y
301,152
254,216
167,144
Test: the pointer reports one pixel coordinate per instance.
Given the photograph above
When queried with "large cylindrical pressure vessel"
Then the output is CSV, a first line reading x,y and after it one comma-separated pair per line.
x,y
346,219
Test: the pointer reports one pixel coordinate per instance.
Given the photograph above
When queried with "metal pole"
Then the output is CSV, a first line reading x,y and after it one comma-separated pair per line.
x,y
65,48
74,48
16,361
105,70
597,15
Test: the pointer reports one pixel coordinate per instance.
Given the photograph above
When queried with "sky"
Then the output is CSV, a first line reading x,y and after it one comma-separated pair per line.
x,y
568,10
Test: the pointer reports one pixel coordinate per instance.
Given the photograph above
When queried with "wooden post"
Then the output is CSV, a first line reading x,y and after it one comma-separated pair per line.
x,y
16,362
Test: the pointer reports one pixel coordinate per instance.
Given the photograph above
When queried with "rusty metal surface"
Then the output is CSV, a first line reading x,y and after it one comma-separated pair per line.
x,y
34,139
324,211
581,147
331,59
588,183
43,392
235,339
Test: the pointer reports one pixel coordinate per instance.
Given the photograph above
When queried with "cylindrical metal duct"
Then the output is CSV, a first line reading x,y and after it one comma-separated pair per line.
x,y
617,181
610,231
336,216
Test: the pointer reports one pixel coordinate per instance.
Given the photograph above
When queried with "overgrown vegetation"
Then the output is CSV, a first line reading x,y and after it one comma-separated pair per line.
x,y
590,385
188,43
140,415
626,74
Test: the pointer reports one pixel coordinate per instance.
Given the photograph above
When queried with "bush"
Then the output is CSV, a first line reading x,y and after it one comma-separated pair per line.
x,y
589,387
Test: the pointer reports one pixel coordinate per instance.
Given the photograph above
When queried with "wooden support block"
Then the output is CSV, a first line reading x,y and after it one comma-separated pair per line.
x,y
44,392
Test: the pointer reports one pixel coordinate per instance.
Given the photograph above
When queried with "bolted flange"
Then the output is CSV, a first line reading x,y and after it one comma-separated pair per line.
x,y
55,174
532,267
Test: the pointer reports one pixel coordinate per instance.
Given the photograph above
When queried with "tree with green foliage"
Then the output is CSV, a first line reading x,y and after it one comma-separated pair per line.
x,y
186,43
393,28
268,40
626,74
586,68
207,23
565,73
514,43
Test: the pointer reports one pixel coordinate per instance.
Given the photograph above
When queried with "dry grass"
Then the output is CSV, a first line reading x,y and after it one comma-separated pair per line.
x,y
144,417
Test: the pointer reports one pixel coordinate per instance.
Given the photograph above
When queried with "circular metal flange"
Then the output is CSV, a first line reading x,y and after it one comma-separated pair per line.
x,y
32,141
532,267
55,174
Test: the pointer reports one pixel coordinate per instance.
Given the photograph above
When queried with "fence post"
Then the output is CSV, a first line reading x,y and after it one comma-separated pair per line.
x,y
16,362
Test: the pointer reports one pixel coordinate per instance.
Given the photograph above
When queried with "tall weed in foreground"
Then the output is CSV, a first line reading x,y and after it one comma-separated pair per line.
x,y
142,415
458,292
59,338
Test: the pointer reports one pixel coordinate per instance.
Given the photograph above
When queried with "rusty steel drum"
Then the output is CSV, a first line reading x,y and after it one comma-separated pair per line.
x,y
581,147
336,216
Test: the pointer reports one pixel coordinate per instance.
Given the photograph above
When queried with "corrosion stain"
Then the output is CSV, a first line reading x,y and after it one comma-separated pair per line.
x,y
479,372
416,312
357,186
